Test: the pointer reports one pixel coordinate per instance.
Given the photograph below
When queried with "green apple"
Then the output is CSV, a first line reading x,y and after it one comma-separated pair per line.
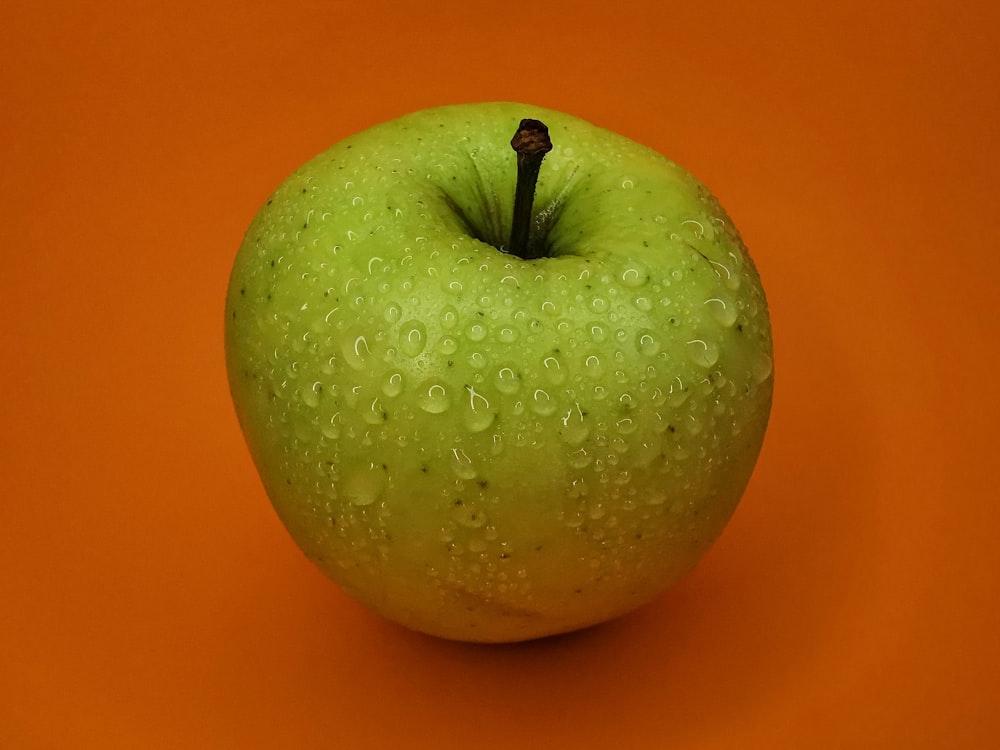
x,y
492,423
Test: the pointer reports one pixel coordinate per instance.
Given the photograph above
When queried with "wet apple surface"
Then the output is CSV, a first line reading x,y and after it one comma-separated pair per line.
x,y
478,445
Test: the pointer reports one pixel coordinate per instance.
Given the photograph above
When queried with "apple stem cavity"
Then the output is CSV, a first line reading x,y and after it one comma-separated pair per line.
x,y
530,143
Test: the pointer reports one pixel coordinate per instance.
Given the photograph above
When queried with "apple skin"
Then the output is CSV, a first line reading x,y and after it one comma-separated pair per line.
x,y
481,447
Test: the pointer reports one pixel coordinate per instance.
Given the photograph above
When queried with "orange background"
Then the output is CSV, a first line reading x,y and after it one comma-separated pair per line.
x,y
149,597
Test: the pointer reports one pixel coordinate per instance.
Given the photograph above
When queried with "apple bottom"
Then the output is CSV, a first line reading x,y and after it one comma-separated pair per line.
x,y
473,616
553,580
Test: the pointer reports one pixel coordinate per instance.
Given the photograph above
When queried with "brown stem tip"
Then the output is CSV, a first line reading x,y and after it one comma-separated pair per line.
x,y
531,143
531,138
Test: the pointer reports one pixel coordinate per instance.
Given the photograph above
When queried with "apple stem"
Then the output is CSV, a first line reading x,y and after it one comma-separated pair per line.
x,y
531,143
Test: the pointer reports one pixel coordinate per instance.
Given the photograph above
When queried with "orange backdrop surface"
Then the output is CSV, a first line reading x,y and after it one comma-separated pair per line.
x,y
150,598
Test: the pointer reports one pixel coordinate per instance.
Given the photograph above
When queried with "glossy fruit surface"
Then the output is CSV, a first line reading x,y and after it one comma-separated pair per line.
x,y
484,447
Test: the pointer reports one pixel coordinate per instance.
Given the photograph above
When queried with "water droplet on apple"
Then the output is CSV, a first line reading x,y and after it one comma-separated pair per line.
x,y
331,428
656,497
580,458
507,381
724,311
373,413
730,272
593,366
694,227
702,352
462,465
763,366
677,393
694,424
434,397
449,317
393,384
468,515
477,545
393,312
554,370
508,335
448,345
364,487
643,303
355,350
634,277
310,395
626,425
478,415
618,445
477,332
658,397
575,427
598,304
542,403
647,342
598,333
412,338
577,489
